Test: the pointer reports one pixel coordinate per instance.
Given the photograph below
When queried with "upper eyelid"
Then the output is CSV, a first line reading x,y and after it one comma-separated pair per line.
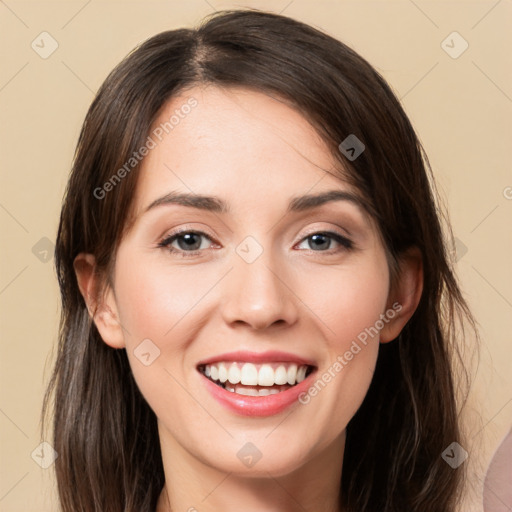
x,y
343,231
339,231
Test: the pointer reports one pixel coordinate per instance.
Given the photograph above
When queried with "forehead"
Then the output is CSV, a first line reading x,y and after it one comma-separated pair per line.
x,y
249,148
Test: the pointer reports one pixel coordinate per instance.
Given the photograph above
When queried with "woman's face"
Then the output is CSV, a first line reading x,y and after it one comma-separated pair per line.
x,y
270,288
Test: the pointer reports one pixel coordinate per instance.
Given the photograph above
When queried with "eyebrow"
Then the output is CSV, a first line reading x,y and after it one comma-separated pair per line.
x,y
217,205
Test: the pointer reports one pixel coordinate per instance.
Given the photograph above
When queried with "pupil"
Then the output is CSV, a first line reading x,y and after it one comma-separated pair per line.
x,y
315,239
189,242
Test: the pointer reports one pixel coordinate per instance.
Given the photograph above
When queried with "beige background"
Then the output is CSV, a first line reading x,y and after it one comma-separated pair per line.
x,y
461,108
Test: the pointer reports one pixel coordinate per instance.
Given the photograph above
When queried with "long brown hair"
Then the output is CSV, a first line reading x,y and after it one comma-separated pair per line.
x,y
103,430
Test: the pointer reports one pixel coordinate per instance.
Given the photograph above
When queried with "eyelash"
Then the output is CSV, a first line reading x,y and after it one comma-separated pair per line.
x,y
167,241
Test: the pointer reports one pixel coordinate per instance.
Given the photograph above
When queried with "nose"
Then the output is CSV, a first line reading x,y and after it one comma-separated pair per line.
x,y
259,294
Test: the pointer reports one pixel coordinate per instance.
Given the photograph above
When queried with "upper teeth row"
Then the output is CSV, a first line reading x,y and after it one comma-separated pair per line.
x,y
256,375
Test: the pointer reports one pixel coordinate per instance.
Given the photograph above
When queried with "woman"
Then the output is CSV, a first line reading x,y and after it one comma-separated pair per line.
x,y
258,307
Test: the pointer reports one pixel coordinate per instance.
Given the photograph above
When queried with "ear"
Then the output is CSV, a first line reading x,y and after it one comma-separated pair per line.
x,y
405,294
103,311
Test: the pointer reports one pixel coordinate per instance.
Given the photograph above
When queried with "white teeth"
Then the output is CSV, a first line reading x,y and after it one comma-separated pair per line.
x,y
292,374
234,374
301,374
281,375
248,391
249,374
266,376
223,373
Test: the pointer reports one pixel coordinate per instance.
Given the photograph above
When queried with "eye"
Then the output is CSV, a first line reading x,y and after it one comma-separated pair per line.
x,y
322,240
189,242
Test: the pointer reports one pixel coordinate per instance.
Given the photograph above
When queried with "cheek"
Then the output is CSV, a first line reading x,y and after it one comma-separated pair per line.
x,y
155,302
348,300
349,303
157,311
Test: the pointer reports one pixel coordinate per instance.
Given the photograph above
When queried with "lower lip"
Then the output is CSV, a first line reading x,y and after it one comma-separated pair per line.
x,y
257,405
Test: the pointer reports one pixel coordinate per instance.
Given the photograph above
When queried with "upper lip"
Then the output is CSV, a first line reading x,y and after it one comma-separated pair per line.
x,y
270,356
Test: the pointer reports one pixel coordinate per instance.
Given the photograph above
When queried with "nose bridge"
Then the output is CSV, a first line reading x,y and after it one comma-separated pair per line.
x,y
258,294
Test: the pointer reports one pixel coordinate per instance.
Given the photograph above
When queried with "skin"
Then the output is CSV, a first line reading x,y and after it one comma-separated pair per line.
x,y
255,153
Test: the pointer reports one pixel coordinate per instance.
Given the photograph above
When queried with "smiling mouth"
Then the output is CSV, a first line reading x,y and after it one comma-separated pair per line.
x,y
251,379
